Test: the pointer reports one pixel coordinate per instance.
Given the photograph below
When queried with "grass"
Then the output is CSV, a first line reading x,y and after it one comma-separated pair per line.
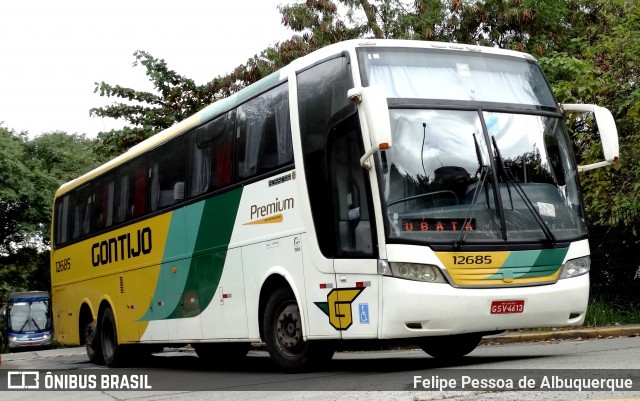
x,y
602,313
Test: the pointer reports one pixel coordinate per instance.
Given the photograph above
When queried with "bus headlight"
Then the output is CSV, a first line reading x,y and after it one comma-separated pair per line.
x,y
576,267
417,272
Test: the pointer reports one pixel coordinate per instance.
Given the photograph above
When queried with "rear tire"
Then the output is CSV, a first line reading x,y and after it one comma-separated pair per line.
x,y
111,351
283,337
92,344
450,347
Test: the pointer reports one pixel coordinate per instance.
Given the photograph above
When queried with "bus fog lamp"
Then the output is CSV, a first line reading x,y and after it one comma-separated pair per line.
x,y
417,272
576,267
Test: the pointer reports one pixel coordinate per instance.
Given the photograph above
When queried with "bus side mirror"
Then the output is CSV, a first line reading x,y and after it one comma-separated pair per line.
x,y
607,129
372,102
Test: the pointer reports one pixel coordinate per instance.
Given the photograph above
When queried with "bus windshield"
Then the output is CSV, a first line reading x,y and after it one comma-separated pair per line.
x,y
29,317
474,171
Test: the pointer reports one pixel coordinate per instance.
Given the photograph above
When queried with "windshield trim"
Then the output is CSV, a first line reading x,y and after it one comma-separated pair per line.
x,y
511,245
441,104
476,245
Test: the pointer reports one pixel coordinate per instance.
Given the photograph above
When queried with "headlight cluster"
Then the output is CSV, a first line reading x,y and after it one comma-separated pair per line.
x,y
576,267
417,272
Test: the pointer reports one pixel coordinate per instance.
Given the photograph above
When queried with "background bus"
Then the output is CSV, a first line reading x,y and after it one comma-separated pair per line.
x,y
28,320
369,191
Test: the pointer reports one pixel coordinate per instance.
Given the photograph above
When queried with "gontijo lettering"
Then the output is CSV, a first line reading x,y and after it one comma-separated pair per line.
x,y
125,246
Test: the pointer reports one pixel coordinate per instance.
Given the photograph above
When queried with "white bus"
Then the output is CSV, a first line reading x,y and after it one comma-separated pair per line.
x,y
370,191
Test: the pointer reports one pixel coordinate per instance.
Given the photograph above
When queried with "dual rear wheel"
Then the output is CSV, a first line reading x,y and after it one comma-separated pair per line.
x,y
101,342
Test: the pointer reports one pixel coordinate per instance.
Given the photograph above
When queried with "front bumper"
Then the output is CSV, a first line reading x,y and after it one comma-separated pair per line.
x,y
415,309
28,342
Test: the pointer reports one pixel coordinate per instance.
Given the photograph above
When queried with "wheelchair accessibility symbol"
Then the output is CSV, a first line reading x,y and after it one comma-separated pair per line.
x,y
363,313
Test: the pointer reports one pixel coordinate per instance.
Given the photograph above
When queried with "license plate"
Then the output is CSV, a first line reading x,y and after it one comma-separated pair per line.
x,y
513,306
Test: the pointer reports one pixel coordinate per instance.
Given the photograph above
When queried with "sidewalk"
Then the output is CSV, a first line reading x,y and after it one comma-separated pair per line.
x,y
510,337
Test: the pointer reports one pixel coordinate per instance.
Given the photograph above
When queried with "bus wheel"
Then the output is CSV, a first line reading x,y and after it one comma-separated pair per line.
x,y
222,351
283,335
109,340
92,344
450,347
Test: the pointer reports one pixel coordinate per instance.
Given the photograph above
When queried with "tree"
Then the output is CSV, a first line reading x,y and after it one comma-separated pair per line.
x,y
31,170
177,98
15,187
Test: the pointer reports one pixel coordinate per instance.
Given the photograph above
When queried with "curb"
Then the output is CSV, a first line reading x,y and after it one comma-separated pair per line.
x,y
563,334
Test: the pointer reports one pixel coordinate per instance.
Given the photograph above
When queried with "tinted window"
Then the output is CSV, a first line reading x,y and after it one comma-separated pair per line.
x,y
82,200
322,104
131,188
211,155
167,170
103,213
263,133
62,220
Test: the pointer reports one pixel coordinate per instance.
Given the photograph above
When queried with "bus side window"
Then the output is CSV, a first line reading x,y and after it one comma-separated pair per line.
x,y
131,183
82,202
211,155
104,201
168,170
322,102
62,220
263,134
349,189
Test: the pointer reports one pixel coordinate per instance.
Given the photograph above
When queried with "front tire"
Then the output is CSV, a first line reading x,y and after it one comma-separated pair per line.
x,y
283,337
450,347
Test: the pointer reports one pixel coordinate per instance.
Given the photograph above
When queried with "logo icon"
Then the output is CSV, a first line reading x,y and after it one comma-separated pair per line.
x,y
338,306
23,380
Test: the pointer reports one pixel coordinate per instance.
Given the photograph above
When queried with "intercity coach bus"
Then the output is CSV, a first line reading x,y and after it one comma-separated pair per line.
x,y
28,319
371,190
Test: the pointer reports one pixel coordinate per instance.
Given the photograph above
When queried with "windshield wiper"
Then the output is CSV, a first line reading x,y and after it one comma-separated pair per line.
x,y
483,172
502,171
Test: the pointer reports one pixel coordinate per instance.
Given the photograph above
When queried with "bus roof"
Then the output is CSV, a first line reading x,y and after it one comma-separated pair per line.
x,y
28,296
228,103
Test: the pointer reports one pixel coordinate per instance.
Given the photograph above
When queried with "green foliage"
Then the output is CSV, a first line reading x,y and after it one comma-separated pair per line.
x,y
603,313
177,97
600,65
16,190
31,170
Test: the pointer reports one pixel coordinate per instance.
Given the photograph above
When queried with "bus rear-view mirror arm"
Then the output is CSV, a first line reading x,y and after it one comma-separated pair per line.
x,y
372,104
607,129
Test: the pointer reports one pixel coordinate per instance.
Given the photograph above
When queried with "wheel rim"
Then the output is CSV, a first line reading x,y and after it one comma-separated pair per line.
x,y
90,336
289,330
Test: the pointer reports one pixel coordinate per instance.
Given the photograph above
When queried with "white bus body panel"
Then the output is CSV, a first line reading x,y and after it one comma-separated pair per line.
x,y
441,309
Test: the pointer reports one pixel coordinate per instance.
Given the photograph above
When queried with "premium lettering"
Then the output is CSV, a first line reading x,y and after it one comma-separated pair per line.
x,y
271,208
122,247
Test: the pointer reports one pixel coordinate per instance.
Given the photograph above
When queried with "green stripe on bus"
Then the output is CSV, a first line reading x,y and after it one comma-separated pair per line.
x,y
531,264
189,288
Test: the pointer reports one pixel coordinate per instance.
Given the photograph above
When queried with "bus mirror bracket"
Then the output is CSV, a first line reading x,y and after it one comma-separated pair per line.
x,y
372,104
607,129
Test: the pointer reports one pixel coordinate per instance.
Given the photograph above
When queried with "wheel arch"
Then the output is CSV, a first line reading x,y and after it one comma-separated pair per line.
x,y
104,304
274,281
85,317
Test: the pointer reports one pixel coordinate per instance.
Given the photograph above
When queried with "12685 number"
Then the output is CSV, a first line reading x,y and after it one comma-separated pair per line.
x,y
472,260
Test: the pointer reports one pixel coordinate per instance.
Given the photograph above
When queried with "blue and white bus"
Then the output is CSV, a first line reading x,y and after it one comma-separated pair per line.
x,y
29,320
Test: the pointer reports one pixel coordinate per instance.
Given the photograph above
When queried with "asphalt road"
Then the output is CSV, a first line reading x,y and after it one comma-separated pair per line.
x,y
379,375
